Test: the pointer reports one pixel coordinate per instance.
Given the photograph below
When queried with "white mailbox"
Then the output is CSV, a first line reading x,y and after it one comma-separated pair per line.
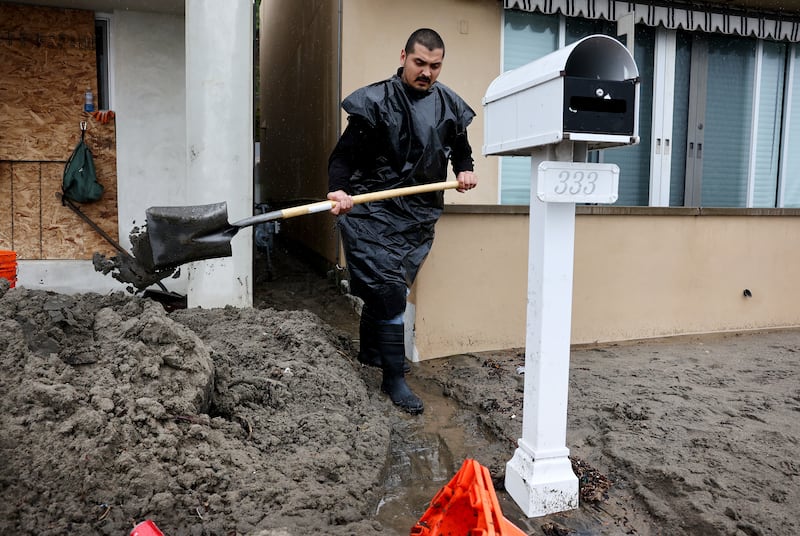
x,y
581,97
585,92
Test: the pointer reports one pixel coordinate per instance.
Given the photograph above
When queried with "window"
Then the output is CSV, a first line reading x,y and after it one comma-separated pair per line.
x,y
789,191
735,108
102,48
528,36
717,114
766,160
633,161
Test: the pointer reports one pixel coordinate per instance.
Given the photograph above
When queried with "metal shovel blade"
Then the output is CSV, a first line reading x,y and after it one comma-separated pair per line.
x,y
184,234
179,235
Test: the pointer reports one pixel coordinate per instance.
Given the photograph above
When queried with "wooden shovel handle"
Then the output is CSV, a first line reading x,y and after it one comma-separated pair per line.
x,y
400,192
322,206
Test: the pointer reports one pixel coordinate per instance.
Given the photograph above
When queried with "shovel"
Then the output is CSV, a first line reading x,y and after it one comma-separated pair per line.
x,y
178,235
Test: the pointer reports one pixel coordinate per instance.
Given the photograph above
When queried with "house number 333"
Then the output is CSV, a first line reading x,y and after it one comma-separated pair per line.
x,y
577,182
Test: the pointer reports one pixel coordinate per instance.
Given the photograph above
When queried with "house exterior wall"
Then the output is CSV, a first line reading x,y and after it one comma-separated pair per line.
x,y
219,141
48,57
650,273
48,62
148,72
140,158
639,272
150,99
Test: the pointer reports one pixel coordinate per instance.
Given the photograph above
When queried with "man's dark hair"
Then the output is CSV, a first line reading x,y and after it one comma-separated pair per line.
x,y
427,38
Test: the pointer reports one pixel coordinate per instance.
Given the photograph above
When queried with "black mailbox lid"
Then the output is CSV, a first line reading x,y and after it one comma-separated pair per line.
x,y
599,106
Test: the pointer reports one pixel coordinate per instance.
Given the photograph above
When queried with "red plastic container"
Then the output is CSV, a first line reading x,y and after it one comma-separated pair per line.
x,y
8,266
146,528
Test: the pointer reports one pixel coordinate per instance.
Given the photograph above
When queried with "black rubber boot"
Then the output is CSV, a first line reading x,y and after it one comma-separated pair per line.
x,y
391,342
368,352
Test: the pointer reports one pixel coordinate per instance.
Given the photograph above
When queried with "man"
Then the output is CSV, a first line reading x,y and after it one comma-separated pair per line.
x,y
401,132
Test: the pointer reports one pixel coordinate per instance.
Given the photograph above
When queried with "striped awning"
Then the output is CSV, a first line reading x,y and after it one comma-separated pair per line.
x,y
670,17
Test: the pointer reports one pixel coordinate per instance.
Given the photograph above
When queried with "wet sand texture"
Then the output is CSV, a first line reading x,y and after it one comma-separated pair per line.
x,y
259,421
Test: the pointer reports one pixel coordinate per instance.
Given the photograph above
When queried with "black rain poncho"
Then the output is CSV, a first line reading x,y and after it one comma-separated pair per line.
x,y
396,136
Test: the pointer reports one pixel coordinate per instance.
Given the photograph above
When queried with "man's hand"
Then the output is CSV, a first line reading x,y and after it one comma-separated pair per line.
x,y
343,202
467,180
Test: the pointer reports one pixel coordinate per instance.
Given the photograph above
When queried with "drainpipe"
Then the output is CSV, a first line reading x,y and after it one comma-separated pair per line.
x,y
339,68
338,266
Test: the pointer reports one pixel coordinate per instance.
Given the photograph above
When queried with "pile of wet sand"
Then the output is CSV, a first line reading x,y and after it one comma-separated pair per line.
x,y
259,421
223,421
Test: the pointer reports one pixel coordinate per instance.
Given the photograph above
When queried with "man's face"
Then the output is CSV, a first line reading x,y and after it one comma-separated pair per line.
x,y
421,68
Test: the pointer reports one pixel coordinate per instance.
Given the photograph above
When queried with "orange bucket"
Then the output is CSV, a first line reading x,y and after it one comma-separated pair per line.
x,y
8,266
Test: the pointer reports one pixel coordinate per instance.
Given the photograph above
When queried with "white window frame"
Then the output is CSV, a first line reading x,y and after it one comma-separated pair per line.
x,y
754,114
662,120
663,104
108,19
783,168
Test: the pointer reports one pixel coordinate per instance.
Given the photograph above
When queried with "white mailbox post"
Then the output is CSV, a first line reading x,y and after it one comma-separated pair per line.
x,y
581,97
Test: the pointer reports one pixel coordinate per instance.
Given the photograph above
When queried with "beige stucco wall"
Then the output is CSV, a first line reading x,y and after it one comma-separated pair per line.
x,y
636,276
470,293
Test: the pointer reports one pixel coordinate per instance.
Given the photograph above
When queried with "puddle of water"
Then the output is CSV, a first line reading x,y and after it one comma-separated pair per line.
x,y
420,464
426,452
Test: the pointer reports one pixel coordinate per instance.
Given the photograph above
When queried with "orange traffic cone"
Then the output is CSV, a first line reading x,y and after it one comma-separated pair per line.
x,y
466,505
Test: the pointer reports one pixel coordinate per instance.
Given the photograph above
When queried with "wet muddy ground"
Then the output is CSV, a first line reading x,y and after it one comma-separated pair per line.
x,y
261,422
689,435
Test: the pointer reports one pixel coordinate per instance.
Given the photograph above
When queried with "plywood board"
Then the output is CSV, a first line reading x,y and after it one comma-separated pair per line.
x,y
47,61
59,225
64,234
27,210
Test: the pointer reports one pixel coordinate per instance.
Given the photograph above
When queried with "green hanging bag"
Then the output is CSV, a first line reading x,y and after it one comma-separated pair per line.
x,y
80,180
